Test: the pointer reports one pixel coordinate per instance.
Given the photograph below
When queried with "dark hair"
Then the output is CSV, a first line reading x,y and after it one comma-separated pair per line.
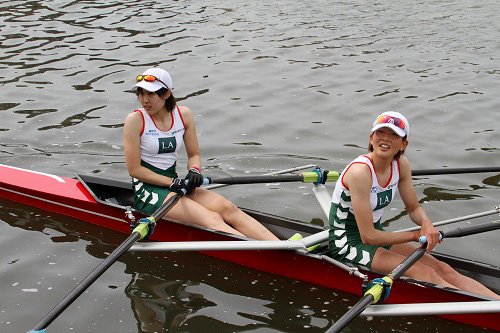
x,y
170,102
397,156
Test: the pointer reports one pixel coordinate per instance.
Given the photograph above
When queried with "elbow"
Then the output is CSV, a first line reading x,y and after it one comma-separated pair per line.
x,y
132,172
369,239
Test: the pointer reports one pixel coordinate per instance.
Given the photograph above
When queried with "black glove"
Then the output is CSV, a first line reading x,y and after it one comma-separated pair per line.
x,y
194,179
177,186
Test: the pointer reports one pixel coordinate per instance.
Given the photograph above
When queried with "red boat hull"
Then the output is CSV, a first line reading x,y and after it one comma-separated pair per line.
x,y
69,197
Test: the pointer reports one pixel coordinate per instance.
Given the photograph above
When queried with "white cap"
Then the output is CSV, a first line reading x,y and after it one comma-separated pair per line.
x,y
391,123
165,81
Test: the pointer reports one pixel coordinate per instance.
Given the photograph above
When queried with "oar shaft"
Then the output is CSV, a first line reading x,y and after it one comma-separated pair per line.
x,y
471,230
351,314
218,246
91,278
450,171
422,309
306,177
257,179
279,172
408,262
99,270
369,298
466,231
458,219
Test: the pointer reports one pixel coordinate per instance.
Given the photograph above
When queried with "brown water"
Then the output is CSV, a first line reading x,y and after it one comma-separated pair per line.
x,y
272,85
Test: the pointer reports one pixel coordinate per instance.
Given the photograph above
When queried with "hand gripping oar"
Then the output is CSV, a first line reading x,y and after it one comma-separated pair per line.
x,y
466,231
143,230
378,290
319,177
450,171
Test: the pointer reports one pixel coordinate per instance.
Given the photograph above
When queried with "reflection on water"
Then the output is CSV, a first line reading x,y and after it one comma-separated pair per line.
x,y
171,292
272,85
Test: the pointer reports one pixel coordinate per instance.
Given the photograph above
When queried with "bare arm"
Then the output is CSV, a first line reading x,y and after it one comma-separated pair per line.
x,y
415,211
132,150
358,179
190,139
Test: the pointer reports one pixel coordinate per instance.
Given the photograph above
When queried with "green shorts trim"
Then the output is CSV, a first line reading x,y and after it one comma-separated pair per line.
x,y
346,245
148,198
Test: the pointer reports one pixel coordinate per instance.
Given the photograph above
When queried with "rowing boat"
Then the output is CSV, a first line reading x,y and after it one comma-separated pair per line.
x,y
109,203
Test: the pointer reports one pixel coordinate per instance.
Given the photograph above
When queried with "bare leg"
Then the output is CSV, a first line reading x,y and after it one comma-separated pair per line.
x,y
190,212
231,214
446,272
385,261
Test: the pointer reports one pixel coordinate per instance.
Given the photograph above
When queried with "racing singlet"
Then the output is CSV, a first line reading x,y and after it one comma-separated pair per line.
x,y
159,154
345,242
380,196
158,148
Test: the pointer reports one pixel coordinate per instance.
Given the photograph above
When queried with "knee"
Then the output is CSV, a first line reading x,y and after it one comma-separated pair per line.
x,y
228,208
427,273
213,220
445,271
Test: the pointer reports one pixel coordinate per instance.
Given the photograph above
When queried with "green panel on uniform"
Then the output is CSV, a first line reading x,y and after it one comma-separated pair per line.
x,y
383,199
167,145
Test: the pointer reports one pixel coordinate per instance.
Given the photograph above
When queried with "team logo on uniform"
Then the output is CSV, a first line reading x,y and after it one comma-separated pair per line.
x,y
167,145
383,199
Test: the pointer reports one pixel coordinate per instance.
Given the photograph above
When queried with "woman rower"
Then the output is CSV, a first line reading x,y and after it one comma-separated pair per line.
x,y
366,186
153,136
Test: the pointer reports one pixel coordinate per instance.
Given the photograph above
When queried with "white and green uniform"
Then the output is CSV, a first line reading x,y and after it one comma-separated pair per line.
x,y
345,240
159,154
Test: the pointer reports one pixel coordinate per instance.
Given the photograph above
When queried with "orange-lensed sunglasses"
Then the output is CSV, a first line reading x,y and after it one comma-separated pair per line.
x,y
384,119
149,78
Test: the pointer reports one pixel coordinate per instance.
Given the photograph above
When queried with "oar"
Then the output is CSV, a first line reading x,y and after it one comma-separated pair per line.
x,y
450,171
301,244
422,309
219,246
458,219
279,172
379,289
466,231
305,177
141,231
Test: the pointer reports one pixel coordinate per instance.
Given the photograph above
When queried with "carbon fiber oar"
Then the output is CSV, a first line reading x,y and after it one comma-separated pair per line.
x,y
378,290
141,231
450,171
305,177
466,231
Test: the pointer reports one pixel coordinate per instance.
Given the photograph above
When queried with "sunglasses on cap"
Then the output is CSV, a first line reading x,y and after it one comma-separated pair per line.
x,y
384,119
149,78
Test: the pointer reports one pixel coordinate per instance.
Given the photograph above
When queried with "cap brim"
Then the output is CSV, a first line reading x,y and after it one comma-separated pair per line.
x,y
149,86
393,127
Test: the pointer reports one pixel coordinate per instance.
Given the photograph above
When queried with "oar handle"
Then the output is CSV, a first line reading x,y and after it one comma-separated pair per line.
x,y
466,231
423,239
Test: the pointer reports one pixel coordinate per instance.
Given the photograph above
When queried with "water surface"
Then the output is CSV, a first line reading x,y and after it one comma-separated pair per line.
x,y
272,85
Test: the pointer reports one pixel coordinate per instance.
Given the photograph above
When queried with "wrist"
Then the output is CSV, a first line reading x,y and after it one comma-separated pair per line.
x,y
426,221
195,168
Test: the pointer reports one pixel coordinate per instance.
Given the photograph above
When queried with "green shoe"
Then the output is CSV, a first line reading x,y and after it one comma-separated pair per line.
x,y
298,236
